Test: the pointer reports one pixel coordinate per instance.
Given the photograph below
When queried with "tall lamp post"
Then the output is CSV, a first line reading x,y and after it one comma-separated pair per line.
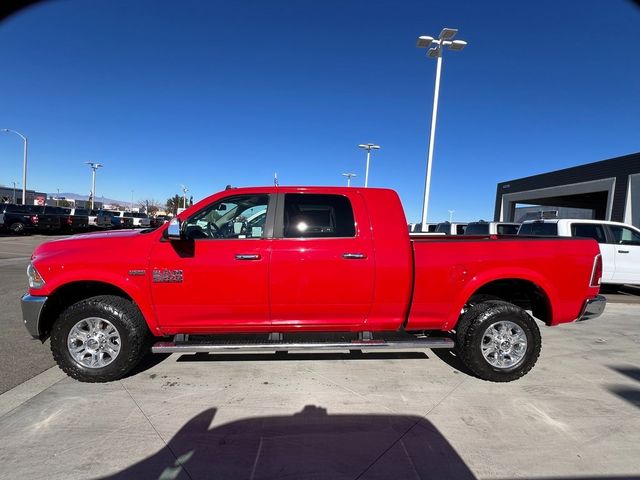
x,y
94,166
368,147
14,190
184,196
349,175
24,163
445,39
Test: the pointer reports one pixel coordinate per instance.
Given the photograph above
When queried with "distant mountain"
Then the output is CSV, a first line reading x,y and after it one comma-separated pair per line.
x,y
77,196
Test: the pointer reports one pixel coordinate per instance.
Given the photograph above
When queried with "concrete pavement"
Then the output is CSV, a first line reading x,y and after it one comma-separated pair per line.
x,y
21,358
324,416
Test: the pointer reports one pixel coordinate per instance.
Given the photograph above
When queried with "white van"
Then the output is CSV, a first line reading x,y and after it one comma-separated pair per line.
x,y
619,244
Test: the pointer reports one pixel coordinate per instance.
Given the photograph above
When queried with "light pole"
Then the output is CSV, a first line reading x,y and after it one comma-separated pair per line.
x,y
24,164
14,190
94,166
368,147
445,39
451,212
349,175
184,196
58,197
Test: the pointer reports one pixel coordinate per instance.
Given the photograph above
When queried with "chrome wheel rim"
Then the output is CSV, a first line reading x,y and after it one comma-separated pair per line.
x,y
504,344
94,342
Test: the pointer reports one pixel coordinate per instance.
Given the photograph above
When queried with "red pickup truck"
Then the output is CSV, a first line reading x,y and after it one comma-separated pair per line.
x,y
303,268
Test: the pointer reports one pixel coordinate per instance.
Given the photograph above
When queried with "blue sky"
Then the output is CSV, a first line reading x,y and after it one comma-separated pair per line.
x,y
211,93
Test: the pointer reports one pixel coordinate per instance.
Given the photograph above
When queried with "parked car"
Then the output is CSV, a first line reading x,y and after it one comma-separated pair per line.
x,y
318,260
492,228
451,228
99,219
17,218
79,219
159,220
619,244
118,220
69,221
417,228
140,220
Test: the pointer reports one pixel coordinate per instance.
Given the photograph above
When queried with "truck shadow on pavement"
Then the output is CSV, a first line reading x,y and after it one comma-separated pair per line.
x,y
630,394
310,444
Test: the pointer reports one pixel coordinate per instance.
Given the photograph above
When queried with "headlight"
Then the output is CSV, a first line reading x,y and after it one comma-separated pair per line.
x,y
35,279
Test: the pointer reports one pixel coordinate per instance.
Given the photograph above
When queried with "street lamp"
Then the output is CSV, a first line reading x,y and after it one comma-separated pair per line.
x,y
445,39
451,212
94,166
184,196
24,164
368,147
14,190
349,175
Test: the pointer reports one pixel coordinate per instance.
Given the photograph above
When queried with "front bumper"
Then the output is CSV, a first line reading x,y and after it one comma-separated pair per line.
x,y
31,310
593,308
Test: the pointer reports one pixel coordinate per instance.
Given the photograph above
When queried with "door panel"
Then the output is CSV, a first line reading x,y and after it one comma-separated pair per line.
x,y
216,278
626,249
219,291
313,283
322,267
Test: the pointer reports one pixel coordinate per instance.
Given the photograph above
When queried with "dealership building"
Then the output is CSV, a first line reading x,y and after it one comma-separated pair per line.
x,y
604,190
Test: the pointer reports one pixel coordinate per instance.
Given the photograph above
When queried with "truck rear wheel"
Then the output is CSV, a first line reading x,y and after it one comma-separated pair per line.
x,y
99,339
498,341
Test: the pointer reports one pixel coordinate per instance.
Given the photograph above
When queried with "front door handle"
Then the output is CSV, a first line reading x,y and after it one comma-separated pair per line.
x,y
248,256
623,251
354,256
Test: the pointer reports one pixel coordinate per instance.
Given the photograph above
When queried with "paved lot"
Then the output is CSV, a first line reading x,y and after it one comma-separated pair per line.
x,y
20,357
324,416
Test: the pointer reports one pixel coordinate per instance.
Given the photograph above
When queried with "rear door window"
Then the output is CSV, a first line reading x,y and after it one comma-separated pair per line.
x,y
477,229
588,230
507,229
539,228
316,215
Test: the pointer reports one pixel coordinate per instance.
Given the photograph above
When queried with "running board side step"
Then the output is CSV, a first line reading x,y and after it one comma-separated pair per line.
x,y
195,347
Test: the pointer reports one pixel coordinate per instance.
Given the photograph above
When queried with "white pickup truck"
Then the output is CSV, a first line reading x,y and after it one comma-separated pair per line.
x,y
619,244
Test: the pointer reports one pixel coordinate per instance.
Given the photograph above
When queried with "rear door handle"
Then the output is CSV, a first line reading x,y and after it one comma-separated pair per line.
x,y
623,251
354,256
248,256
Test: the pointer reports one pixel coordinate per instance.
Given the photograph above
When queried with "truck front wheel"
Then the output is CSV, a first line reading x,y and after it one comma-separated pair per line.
x,y
99,339
498,341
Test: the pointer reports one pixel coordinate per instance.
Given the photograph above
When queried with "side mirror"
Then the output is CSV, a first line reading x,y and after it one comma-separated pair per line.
x,y
174,230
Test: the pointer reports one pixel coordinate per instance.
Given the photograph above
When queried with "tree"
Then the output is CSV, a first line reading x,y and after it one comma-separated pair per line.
x,y
151,206
174,203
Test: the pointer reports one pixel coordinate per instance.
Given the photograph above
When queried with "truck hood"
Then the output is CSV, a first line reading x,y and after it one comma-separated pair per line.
x,y
102,244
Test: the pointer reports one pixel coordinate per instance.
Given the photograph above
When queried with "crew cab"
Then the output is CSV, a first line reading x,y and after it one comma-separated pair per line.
x,y
26,218
333,264
17,218
619,244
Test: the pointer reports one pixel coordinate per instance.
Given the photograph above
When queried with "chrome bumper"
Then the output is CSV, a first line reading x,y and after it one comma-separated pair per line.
x,y
31,310
592,308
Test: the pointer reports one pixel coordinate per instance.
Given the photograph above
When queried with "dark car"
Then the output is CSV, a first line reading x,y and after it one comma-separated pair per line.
x,y
17,218
159,220
116,221
79,219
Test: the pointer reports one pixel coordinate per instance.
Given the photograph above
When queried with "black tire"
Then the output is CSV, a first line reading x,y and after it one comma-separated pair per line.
x,y
135,337
471,331
17,228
